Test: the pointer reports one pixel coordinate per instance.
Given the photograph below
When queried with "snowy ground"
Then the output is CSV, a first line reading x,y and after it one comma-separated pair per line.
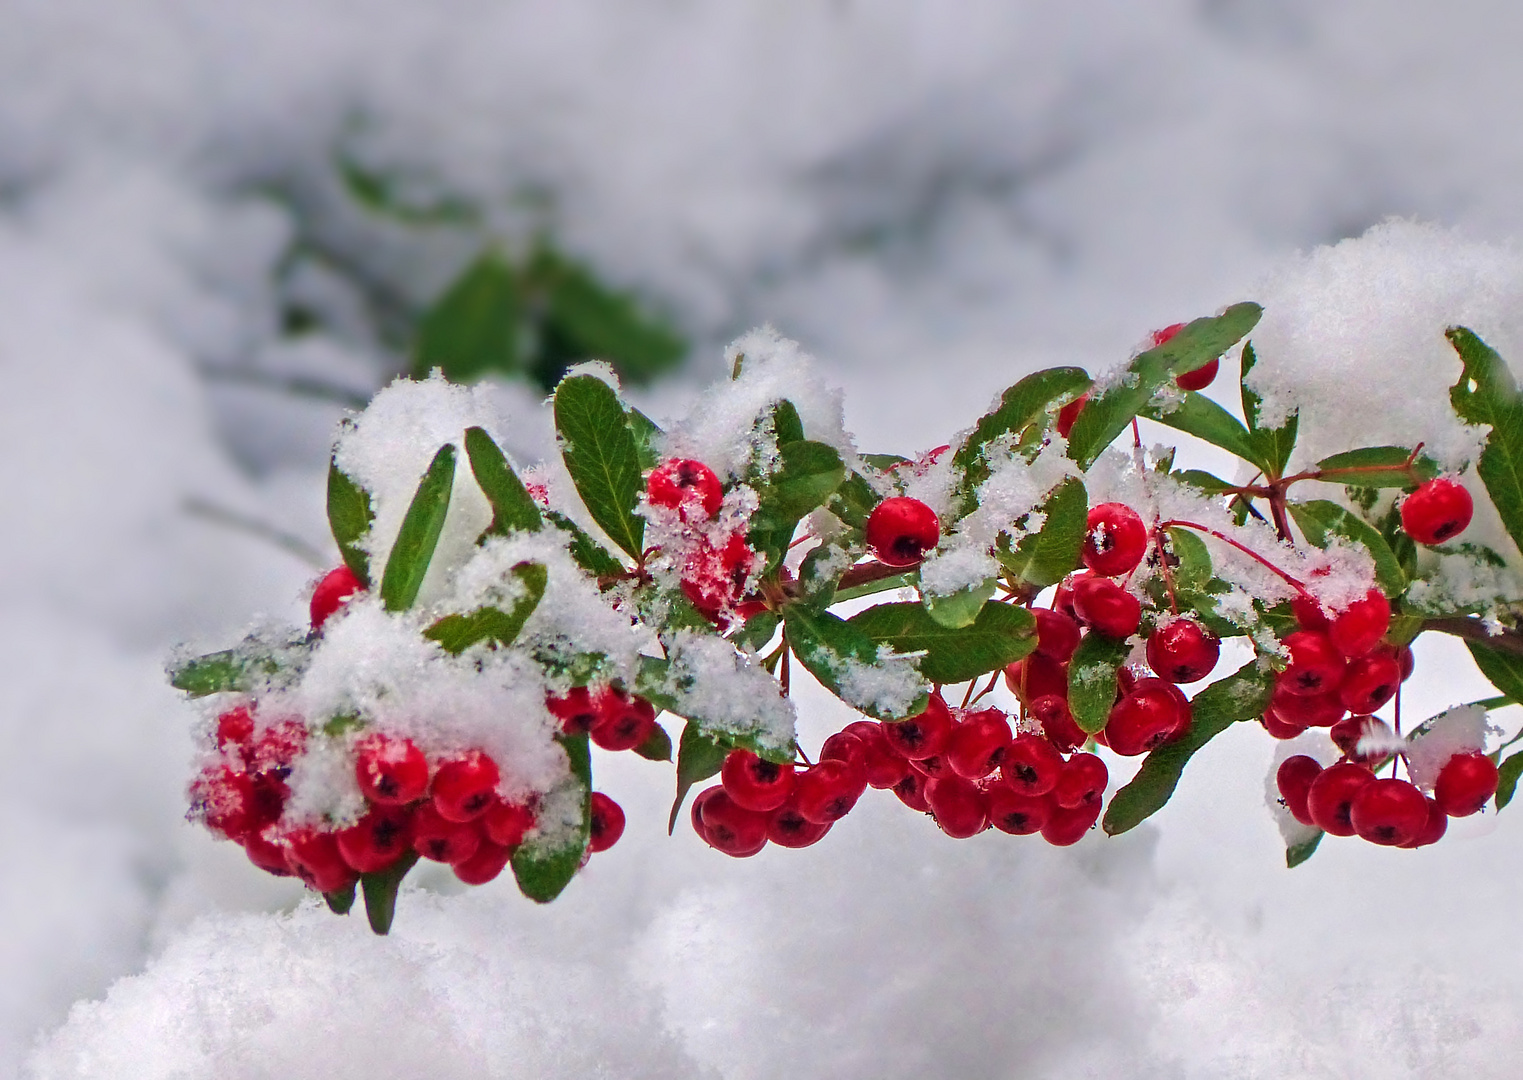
x,y
933,204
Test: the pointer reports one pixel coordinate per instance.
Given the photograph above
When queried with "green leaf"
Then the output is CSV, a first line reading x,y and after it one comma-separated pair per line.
x,y
786,424
809,474
601,455
1319,517
456,633
1272,445
853,501
1297,854
1198,415
1002,634
243,669
1199,478
1240,696
699,757
512,506
545,865
1092,680
832,649
657,745
414,549
474,328
1194,570
819,574
958,609
758,630
1487,394
590,555
1363,467
646,433
1502,670
586,320
380,889
340,901
349,516
1507,779
1018,406
1108,413
872,588
885,462
1047,556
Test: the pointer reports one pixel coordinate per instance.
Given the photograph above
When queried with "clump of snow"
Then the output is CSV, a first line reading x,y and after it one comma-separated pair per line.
x,y
889,686
1460,730
727,690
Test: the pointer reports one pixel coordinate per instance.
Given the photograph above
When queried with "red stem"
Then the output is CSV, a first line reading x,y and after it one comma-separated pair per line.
x,y
1254,555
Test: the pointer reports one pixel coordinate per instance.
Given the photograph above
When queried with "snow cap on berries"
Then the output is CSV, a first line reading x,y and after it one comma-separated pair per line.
x,y
1460,730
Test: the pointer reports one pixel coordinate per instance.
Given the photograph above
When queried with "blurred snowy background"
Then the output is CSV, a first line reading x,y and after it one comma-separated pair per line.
x,y
934,199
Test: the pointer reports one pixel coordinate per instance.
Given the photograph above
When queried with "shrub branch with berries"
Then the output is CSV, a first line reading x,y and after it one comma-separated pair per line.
x,y
996,610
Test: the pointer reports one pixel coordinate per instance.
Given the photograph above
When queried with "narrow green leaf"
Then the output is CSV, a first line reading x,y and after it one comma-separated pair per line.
x,y
1487,394
1370,467
473,329
456,633
419,534
245,668
512,506
1198,415
545,865
1240,696
872,588
1092,680
1273,445
1047,556
1001,634
959,609
1319,517
1018,406
590,555
380,889
842,656
602,457
349,516
1199,478
786,424
1108,413
1297,854
1502,670
340,901
657,746
1507,779
699,757
885,462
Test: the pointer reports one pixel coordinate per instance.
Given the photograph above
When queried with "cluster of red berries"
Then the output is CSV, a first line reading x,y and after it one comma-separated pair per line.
x,y
1346,799
967,768
716,568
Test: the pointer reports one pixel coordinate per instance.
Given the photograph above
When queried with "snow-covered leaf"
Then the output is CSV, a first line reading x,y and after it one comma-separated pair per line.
x,y
1000,635
1272,446
419,534
456,633
809,474
601,455
512,506
1046,556
1198,415
757,631
1297,854
349,517
960,608
1092,679
1320,517
845,659
546,862
1486,393
646,432
1240,696
241,669
1018,406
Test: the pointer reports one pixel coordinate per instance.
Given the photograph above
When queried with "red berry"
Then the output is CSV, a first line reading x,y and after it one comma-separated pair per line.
x,y
1036,676
1058,724
884,766
729,828
1433,830
1307,710
1031,766
1067,824
695,811
1145,719
978,744
377,840
843,746
331,593
313,856
1199,378
1082,781
1346,734
827,792
1294,779
790,829
1464,784
1390,812
1369,682
1017,814
1063,596
1359,627
1332,796
466,787
606,821
1159,337
1183,651
681,484
575,709
911,790
1406,661
436,837
1437,511
1069,413
223,800
391,771
958,806
235,727
1057,635
506,823
901,530
1316,664
921,736
624,720
755,783
1309,612
1106,607
275,750
489,861
1115,539
266,854
1279,728
715,579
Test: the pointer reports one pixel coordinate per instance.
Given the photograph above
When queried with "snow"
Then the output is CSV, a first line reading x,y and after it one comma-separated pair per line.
x,y
934,205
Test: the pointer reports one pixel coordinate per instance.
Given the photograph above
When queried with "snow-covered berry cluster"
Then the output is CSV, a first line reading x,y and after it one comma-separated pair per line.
x,y
1062,583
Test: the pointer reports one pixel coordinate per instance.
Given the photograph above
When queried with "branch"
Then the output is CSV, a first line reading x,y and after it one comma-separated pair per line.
x,y
1473,629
